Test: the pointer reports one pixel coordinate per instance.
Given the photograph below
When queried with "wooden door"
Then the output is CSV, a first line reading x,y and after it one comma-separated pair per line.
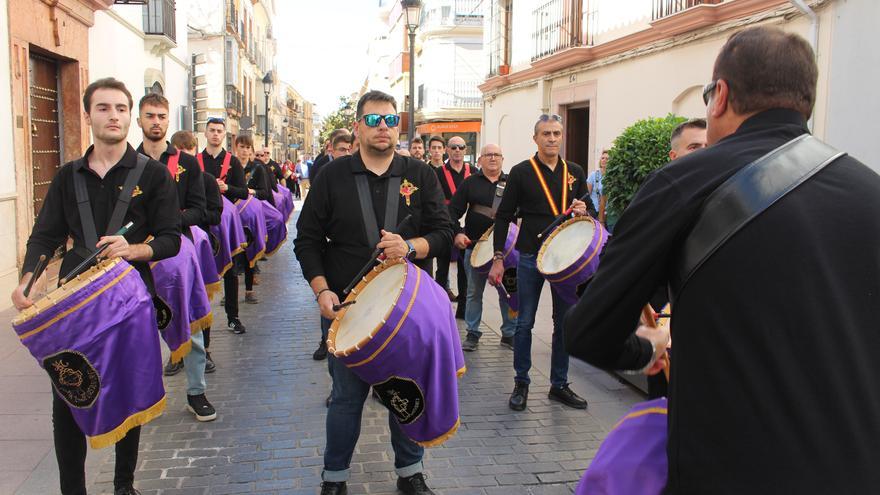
x,y
44,122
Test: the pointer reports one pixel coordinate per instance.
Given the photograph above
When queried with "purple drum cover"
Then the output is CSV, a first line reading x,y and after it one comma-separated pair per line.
x,y
510,261
414,360
288,200
253,219
276,229
207,266
632,458
87,343
566,281
230,232
179,284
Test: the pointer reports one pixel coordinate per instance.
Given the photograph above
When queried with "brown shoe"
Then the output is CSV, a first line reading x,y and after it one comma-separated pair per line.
x,y
250,297
256,279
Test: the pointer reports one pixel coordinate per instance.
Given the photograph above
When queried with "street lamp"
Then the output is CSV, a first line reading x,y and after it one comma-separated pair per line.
x,y
413,12
267,88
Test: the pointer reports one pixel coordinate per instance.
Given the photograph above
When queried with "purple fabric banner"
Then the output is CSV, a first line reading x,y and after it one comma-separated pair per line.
x,y
276,229
179,285
207,266
414,359
632,459
230,236
254,221
86,335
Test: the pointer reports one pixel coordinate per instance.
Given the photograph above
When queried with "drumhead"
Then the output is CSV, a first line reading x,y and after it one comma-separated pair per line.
x,y
483,249
374,304
565,246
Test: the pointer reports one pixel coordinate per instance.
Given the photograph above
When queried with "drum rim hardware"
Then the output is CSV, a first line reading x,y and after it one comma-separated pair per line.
x,y
549,239
485,237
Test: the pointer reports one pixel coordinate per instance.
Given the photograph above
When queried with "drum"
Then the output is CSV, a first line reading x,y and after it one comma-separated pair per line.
x,y
86,334
401,338
231,237
276,229
570,256
481,261
205,255
254,222
288,201
632,458
179,285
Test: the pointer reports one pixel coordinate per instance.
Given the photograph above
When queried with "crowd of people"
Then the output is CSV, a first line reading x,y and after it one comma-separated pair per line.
x,y
762,238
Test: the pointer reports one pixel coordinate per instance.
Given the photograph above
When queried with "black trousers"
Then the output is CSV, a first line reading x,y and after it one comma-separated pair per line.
x,y
249,276
442,276
230,290
70,451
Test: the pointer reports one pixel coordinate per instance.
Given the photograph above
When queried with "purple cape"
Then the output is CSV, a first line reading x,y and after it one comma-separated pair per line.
x,y
276,229
231,237
207,266
253,219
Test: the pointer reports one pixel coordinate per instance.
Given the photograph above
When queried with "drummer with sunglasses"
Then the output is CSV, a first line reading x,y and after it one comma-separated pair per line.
x,y
539,188
333,244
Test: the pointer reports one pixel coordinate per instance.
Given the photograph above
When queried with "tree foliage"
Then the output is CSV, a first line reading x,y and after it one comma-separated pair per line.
x,y
342,117
639,150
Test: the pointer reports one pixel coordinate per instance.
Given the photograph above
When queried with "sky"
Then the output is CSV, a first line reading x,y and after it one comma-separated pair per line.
x,y
322,46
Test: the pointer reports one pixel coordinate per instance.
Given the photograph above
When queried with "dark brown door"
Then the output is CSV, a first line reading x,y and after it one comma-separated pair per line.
x,y
45,130
577,136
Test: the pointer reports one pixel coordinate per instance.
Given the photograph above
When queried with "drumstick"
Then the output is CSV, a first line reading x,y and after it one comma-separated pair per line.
x,y
41,264
375,257
86,262
503,290
337,307
556,221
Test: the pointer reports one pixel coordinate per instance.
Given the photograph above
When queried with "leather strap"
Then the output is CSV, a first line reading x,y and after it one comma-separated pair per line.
x,y
201,161
744,196
392,203
224,168
483,210
450,181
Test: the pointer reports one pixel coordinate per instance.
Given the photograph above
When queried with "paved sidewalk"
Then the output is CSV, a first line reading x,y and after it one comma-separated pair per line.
x,y
269,395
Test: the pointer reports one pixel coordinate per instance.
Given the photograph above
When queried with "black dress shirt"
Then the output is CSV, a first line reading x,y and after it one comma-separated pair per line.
x,y
775,350
475,190
153,211
275,174
214,209
457,177
257,179
318,164
525,194
331,238
190,187
234,177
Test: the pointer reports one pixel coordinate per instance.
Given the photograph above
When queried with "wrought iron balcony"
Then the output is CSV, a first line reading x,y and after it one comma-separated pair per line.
x,y
664,8
233,99
159,18
560,24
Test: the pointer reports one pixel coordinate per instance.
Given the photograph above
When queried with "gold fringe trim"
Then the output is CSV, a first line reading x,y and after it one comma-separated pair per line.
x,y
137,419
460,373
201,324
178,354
442,438
225,269
214,288
257,258
277,247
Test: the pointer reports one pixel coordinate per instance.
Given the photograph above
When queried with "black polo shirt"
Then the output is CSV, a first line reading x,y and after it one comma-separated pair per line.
x,y
275,174
256,176
190,186
457,177
525,194
475,190
153,211
331,239
775,349
214,201
234,177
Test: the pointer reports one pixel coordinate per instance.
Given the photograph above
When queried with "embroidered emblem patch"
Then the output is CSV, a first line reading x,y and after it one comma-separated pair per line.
x,y
571,181
134,193
180,170
508,280
74,378
163,313
403,397
407,189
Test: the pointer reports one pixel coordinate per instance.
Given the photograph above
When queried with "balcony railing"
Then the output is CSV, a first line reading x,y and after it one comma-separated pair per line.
x,y
232,17
561,24
664,8
454,13
159,18
457,94
233,99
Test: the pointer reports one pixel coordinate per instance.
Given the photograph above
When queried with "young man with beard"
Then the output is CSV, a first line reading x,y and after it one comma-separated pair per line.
x,y
417,148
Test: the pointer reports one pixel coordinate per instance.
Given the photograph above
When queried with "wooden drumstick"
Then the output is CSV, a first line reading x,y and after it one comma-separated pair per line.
x,y
86,262
41,264
337,307
556,221
503,290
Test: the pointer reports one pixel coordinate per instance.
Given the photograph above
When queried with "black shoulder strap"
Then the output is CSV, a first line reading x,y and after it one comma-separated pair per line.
x,y
744,196
392,203
131,181
499,192
90,235
366,201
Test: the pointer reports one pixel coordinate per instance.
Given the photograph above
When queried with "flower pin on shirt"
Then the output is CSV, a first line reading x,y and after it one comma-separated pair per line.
x,y
571,181
407,189
136,192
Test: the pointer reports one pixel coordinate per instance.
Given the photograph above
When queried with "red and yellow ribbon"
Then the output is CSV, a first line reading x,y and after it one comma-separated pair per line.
x,y
547,189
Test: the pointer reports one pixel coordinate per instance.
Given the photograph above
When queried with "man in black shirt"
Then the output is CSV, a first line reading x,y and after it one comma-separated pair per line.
x,y
539,188
155,211
774,371
480,196
450,175
184,169
257,186
230,179
332,246
330,152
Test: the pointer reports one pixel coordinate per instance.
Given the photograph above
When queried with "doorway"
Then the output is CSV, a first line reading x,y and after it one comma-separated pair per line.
x,y
577,135
45,129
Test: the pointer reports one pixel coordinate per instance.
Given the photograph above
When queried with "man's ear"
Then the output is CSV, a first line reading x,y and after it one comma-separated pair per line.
x,y
672,155
719,104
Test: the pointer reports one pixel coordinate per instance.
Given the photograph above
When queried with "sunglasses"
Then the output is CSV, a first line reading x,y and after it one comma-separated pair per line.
x,y
373,119
217,120
457,146
545,117
708,89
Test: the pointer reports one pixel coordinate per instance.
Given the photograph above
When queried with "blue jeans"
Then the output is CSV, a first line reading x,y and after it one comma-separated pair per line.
x,y
344,428
473,312
529,284
194,365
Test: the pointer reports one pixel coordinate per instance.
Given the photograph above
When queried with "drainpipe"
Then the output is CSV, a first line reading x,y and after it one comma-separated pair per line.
x,y
814,34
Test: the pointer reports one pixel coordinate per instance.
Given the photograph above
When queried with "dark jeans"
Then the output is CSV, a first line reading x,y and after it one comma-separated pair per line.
x,y
230,290
442,276
70,451
344,428
529,285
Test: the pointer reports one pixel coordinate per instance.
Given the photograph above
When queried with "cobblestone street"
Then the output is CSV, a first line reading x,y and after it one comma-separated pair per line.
x,y
269,434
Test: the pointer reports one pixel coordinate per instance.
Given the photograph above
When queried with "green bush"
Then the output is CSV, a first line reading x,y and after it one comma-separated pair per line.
x,y
642,148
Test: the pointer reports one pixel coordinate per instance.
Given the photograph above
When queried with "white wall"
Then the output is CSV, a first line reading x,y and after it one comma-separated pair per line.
x,y
8,217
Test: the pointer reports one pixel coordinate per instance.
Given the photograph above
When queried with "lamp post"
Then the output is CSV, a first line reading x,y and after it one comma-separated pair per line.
x,y
413,12
267,88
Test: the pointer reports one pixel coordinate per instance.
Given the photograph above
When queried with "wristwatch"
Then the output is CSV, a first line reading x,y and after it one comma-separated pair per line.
x,y
411,251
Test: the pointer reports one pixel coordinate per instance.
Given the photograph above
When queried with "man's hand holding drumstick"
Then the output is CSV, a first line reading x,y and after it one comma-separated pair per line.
x,y
659,338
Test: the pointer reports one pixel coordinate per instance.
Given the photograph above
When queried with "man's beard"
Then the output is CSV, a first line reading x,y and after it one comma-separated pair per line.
x,y
150,137
375,150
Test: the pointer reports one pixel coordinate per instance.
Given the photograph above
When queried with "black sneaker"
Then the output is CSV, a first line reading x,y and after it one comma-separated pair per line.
x,y
520,396
507,342
320,353
459,310
236,327
126,490
470,344
414,485
172,369
199,405
210,367
567,397
333,488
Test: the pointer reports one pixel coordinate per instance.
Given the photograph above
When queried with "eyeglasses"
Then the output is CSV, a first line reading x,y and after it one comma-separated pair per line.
x,y
457,146
545,117
217,120
373,119
708,89
492,156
